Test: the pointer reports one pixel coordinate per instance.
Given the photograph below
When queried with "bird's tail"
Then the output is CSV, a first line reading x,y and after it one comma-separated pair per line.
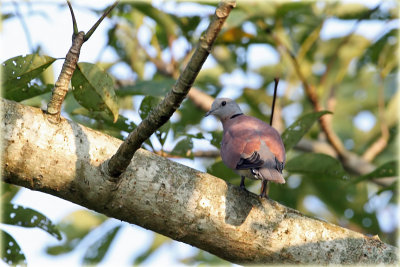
x,y
272,175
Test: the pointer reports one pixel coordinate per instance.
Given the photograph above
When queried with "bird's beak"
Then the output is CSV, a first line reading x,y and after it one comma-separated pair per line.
x,y
208,113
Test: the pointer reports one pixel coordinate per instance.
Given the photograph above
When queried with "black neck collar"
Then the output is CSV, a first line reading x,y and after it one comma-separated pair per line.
x,y
236,115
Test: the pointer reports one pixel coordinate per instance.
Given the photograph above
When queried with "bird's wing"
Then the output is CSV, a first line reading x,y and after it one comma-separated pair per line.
x,y
254,161
250,143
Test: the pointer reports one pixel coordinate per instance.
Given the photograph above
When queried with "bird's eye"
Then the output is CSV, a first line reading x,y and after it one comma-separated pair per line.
x,y
223,103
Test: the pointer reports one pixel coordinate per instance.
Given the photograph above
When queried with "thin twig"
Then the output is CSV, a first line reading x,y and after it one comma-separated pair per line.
x,y
74,24
276,80
379,145
161,114
94,27
312,96
61,86
351,161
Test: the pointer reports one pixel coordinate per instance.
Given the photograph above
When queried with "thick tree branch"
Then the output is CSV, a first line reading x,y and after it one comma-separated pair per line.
x,y
65,160
161,114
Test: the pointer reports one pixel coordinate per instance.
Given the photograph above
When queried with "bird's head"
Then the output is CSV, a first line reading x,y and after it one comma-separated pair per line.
x,y
224,108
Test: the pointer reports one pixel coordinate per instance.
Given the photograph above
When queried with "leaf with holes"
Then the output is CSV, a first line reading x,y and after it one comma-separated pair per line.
x,y
93,88
18,72
293,134
316,166
96,252
389,169
33,89
11,252
26,217
148,103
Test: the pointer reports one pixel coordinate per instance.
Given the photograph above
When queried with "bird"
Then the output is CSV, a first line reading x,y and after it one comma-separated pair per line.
x,y
251,147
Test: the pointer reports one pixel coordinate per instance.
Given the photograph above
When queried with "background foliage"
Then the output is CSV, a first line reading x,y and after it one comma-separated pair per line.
x,y
352,70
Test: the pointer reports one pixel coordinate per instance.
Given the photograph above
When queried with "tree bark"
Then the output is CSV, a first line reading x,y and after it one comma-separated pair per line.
x,y
66,160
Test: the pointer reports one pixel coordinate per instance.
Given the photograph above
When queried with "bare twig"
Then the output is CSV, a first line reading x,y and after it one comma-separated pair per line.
x,y
161,114
74,24
276,80
379,145
351,161
312,96
61,86
94,27
71,59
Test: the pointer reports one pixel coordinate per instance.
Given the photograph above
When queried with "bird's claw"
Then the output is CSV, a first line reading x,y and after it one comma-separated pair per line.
x,y
243,188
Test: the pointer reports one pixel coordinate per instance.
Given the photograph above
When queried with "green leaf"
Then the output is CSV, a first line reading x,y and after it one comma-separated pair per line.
x,y
96,252
391,187
93,88
183,148
8,192
148,88
316,166
19,71
189,115
203,258
292,135
158,241
219,169
216,139
166,27
32,90
148,103
76,226
11,252
389,169
373,52
105,122
17,215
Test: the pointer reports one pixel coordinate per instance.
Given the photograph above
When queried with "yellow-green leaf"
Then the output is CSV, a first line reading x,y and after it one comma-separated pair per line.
x,y
93,88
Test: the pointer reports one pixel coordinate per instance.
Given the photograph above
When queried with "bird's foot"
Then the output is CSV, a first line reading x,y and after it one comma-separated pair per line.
x,y
264,189
242,187
264,196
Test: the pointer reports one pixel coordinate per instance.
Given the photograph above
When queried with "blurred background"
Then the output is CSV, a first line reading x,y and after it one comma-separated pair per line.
x,y
342,53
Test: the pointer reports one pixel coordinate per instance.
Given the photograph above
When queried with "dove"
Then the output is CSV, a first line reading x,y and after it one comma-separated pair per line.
x,y
249,146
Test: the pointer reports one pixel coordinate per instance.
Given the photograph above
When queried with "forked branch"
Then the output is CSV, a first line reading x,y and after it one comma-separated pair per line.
x,y
71,59
161,114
